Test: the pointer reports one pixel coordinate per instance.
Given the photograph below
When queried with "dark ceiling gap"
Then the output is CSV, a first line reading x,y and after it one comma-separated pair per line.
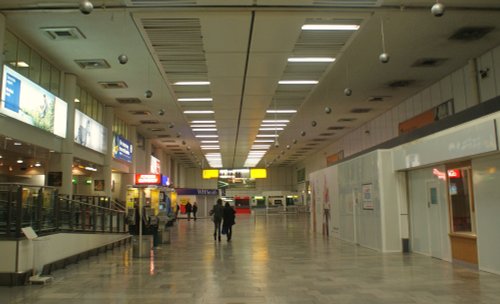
x,y
249,46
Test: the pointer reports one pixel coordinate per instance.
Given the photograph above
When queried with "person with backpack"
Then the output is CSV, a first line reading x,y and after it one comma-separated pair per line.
x,y
217,212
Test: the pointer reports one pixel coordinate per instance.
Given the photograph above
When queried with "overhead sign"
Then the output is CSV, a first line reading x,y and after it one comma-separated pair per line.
x,y
148,179
89,133
122,148
190,191
210,173
155,165
258,173
24,100
454,173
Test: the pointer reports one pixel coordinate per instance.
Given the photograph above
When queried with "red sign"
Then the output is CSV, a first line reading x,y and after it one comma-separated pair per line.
x,y
454,173
148,179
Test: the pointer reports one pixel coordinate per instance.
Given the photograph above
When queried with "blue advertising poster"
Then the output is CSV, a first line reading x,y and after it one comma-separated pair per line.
x,y
122,148
12,89
190,191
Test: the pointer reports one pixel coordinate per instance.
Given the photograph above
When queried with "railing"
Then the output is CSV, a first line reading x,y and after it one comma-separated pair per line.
x,y
42,209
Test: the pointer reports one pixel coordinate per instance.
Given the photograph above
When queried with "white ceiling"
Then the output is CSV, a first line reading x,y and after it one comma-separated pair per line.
x,y
242,49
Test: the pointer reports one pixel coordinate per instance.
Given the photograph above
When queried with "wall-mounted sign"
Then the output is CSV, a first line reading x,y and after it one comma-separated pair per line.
x,y
165,180
89,133
155,165
454,173
26,101
148,179
122,148
367,193
54,179
190,191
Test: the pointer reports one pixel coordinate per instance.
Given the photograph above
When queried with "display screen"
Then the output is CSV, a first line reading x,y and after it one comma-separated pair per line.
x,y
89,133
24,100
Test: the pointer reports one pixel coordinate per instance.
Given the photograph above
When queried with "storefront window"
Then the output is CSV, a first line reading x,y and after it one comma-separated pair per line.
x,y
459,190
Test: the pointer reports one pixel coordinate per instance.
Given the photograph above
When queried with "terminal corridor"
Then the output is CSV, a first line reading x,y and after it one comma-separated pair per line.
x,y
271,259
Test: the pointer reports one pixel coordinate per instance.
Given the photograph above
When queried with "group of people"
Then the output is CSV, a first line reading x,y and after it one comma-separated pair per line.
x,y
191,208
223,216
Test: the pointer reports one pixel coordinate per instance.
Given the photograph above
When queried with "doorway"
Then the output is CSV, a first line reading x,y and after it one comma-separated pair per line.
x,y
462,213
434,215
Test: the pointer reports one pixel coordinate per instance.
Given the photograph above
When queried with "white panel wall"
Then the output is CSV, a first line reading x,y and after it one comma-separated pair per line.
x,y
486,179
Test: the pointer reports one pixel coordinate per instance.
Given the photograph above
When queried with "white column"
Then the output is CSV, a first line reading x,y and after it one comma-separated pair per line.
x,y
147,149
109,115
68,142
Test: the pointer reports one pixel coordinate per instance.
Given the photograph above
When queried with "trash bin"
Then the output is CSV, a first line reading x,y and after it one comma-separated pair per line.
x,y
147,245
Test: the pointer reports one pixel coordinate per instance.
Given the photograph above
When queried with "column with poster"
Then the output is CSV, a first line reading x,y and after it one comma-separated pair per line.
x,y
367,192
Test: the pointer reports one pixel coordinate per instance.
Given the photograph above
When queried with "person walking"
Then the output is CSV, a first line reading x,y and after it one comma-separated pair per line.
x,y
228,216
217,212
195,209
189,208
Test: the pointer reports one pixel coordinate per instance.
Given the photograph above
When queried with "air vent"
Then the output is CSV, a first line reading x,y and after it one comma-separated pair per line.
x,y
172,146
312,144
113,84
178,153
149,122
346,119
162,2
378,98
336,128
91,64
140,112
319,139
128,100
326,134
348,3
156,129
400,83
471,33
360,110
168,140
428,62
163,136
63,33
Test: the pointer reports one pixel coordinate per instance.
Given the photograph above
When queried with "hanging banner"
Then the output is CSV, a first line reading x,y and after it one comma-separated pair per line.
x,y
122,148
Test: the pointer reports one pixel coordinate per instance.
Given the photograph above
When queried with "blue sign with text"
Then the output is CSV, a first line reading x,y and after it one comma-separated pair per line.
x,y
122,148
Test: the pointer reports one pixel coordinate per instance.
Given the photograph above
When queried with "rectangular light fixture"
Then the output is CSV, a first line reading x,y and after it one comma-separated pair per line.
x,y
281,111
264,141
311,59
261,146
270,129
210,147
206,136
195,99
273,125
203,126
267,135
275,121
330,27
298,82
198,112
204,129
209,141
20,64
203,121
192,83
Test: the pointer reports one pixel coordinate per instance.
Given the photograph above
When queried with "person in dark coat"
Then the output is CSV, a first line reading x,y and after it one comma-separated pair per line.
x,y
228,216
189,208
195,209
217,213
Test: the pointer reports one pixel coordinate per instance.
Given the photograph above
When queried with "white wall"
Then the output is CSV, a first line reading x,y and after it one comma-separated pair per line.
x,y
486,179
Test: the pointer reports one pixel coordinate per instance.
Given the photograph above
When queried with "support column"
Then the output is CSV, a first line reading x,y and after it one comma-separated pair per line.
x,y
2,38
109,115
68,143
132,137
147,149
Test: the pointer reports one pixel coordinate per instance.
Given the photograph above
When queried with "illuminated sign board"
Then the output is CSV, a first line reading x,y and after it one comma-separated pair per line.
x,y
258,173
26,101
122,148
454,173
190,191
89,133
155,165
148,179
210,173
165,180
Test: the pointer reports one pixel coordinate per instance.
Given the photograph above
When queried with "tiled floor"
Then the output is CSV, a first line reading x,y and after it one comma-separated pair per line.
x,y
272,259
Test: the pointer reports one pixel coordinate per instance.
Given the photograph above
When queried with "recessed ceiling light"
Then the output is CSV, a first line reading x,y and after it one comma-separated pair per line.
x,y
275,121
207,136
203,126
264,141
273,125
330,27
195,99
193,83
17,143
20,161
199,112
202,121
209,141
210,147
298,82
311,59
261,146
1,156
37,164
205,129
282,111
76,100
270,129
20,64
267,135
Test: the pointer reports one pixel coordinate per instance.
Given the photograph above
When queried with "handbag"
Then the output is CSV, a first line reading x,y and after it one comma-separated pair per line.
x,y
224,230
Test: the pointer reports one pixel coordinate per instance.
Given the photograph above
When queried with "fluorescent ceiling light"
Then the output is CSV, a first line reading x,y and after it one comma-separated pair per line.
x,y
264,141
270,129
204,130
298,82
90,169
20,64
17,143
273,125
203,121
281,111
208,147
203,126
261,146
330,27
199,112
275,120
209,141
267,135
193,83
196,99
207,136
311,59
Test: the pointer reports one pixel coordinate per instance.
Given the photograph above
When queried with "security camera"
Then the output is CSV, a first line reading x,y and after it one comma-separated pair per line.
x,y
384,58
161,112
314,123
347,92
86,7
437,9
148,94
123,59
276,145
170,125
